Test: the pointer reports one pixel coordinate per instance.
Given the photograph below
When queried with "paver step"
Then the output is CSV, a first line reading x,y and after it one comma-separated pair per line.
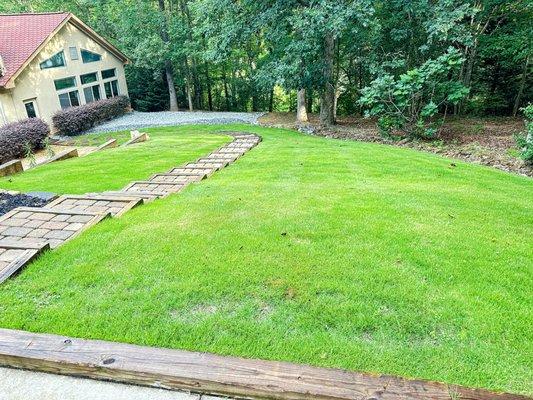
x,y
223,156
205,172
99,204
30,224
214,161
145,197
176,178
212,166
14,256
235,152
154,187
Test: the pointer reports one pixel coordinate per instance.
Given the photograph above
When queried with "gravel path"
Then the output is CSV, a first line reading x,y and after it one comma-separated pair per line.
x,y
136,120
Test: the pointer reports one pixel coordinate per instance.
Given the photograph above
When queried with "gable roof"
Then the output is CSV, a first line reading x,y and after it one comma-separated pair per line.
x,y
22,36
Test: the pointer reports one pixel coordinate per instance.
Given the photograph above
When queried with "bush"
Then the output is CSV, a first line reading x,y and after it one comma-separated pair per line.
x,y
74,120
410,102
525,141
17,137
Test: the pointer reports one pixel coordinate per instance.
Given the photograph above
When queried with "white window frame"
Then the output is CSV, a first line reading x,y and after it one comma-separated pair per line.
x,y
71,50
97,82
35,106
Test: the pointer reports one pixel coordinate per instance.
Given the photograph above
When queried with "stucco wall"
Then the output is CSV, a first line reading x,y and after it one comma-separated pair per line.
x,y
39,84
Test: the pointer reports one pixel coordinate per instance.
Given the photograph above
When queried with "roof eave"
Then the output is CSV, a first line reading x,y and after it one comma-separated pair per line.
x,y
10,84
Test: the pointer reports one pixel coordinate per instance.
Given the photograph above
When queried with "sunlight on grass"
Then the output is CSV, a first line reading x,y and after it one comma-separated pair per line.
x,y
333,253
112,169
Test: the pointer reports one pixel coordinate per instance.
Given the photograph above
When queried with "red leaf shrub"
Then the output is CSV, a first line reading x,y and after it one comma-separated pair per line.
x,y
15,136
74,120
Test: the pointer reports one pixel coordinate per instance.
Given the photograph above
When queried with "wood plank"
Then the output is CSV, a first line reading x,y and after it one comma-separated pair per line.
x,y
213,374
143,137
11,167
108,145
30,253
64,155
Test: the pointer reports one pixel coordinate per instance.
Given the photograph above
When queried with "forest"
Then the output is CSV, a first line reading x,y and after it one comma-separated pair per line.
x,y
407,63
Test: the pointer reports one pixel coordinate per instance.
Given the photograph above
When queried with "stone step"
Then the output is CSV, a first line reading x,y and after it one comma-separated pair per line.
x,y
154,187
53,225
223,156
145,197
211,166
234,152
214,161
99,204
176,178
14,256
205,172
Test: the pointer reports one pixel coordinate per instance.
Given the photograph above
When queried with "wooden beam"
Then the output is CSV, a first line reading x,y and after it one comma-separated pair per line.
x,y
213,374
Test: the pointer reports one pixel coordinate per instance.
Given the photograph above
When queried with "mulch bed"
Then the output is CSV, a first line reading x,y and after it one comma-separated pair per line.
x,y
9,202
482,141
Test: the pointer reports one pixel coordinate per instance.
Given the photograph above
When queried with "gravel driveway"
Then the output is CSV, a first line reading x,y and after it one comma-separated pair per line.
x,y
136,120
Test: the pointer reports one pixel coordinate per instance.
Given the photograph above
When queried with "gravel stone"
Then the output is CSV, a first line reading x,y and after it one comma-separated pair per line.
x,y
137,119
8,202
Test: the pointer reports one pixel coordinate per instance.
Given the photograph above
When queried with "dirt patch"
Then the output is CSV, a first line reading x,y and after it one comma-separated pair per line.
x,y
486,141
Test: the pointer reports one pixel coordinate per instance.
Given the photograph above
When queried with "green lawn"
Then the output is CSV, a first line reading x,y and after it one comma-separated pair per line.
x,y
112,169
332,253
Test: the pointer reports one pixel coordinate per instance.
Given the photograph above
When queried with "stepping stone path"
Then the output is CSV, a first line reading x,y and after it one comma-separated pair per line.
x,y
25,232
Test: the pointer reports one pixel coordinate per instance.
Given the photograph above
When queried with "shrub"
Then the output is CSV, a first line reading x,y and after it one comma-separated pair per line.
x,y
74,120
524,141
410,102
17,137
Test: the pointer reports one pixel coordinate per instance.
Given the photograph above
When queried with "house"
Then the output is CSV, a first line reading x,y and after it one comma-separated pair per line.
x,y
50,61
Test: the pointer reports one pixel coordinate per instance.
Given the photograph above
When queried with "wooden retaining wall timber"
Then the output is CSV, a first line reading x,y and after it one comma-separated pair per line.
x,y
213,374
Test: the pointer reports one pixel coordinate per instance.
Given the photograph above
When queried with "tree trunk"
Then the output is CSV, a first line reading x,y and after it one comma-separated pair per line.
x,y
327,98
189,96
209,92
301,110
171,88
226,92
521,87
168,65
271,100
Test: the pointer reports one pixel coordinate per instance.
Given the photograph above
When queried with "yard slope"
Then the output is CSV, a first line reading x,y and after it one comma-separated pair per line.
x,y
332,253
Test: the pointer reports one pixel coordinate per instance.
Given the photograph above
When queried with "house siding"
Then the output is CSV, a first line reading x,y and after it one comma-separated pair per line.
x,y
34,83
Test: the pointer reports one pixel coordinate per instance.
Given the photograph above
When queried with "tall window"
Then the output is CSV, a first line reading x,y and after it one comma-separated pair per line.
x,y
91,93
31,108
57,60
111,89
89,57
69,99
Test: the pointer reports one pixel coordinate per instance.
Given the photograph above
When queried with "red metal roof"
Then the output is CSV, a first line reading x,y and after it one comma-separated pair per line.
x,y
21,35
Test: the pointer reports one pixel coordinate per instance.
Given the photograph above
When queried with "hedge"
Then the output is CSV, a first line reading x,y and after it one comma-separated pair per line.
x,y
14,138
74,120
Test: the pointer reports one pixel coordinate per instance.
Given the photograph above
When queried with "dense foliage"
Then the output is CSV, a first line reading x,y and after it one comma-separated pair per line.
x,y
74,120
525,140
410,103
16,138
256,55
